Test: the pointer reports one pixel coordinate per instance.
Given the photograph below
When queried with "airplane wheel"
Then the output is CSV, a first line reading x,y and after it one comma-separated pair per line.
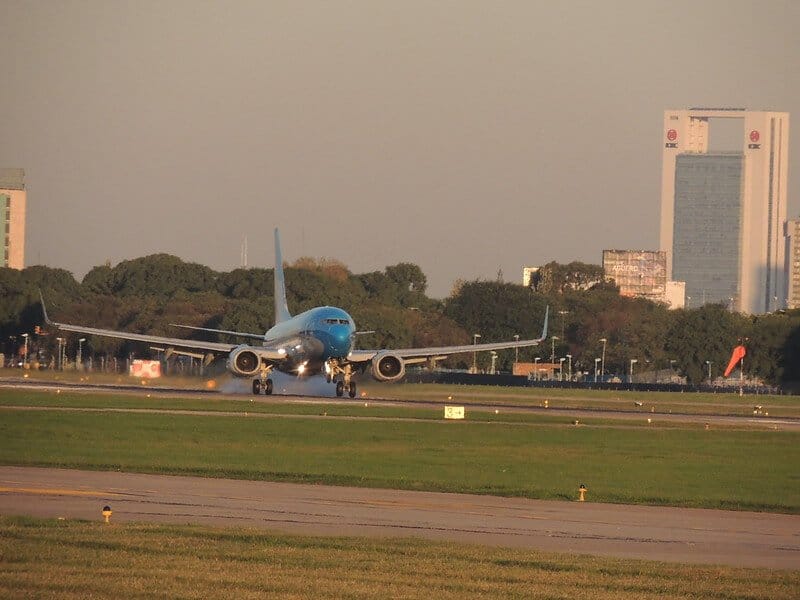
x,y
339,389
328,378
268,387
256,387
352,389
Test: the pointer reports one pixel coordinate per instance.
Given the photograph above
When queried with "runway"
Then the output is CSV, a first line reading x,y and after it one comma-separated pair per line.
x,y
296,395
743,539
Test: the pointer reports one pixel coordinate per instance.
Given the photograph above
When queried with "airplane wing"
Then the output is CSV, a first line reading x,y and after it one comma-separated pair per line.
x,y
417,355
254,336
264,352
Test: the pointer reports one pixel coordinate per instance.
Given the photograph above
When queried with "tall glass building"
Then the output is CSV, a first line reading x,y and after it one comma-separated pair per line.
x,y
723,214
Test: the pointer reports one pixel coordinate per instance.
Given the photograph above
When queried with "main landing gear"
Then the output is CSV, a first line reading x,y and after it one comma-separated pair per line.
x,y
263,382
266,386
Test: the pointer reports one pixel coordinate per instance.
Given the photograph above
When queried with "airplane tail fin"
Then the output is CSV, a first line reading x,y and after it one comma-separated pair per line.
x,y
281,307
544,327
44,309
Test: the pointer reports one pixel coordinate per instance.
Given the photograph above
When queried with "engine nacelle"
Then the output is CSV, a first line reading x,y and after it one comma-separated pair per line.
x,y
388,367
243,361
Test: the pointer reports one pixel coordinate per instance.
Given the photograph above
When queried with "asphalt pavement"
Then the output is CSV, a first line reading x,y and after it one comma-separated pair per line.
x,y
745,539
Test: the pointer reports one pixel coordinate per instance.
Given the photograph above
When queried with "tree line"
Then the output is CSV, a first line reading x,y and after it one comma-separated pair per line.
x,y
146,295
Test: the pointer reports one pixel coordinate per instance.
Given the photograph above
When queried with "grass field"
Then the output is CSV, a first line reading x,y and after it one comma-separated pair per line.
x,y
73,559
719,468
658,402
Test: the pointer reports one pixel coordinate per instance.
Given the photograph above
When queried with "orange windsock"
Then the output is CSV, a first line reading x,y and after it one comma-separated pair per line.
x,y
738,354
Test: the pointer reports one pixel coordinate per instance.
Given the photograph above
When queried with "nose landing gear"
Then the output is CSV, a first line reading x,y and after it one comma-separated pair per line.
x,y
351,388
342,375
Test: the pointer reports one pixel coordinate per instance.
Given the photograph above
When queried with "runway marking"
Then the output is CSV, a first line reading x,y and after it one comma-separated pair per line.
x,y
57,492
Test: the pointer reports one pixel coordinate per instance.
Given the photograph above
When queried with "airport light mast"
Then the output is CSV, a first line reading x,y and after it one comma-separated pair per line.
x,y
475,337
603,361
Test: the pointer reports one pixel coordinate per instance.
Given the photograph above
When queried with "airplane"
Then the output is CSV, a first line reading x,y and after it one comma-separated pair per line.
x,y
319,340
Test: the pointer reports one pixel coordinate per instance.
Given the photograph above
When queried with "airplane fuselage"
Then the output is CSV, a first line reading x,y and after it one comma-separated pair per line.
x,y
312,338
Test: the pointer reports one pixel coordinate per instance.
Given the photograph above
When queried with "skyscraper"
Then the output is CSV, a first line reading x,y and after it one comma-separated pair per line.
x,y
793,263
12,217
723,213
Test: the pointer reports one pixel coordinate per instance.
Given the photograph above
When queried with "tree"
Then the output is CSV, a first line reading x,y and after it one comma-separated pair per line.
x,y
497,311
705,334
159,275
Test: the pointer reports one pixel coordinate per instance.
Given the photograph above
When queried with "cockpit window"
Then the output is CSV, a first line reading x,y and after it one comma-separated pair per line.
x,y
337,321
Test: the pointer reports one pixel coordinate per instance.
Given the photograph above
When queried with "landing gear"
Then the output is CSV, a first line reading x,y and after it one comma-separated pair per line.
x,y
263,382
341,374
258,385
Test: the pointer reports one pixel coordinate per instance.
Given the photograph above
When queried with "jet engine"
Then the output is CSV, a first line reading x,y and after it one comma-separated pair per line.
x,y
388,367
243,361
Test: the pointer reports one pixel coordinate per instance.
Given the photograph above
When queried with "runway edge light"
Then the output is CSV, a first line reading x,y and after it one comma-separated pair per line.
x,y
106,513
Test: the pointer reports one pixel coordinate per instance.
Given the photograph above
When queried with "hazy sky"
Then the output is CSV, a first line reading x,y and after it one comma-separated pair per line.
x,y
463,136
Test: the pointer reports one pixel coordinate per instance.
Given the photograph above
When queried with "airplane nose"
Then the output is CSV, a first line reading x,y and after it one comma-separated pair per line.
x,y
341,338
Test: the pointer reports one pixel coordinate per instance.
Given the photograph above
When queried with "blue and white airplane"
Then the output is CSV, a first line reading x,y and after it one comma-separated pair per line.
x,y
320,340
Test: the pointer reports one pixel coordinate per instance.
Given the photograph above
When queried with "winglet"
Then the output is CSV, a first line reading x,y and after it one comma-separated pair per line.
x,y
544,327
281,307
44,309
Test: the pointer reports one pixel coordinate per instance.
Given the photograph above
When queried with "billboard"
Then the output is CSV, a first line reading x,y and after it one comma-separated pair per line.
x,y
641,273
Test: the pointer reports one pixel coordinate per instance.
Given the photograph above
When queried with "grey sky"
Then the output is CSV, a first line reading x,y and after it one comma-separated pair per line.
x,y
463,136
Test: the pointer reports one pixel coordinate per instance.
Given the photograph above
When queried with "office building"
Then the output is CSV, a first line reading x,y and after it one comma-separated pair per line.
x,y
638,273
643,274
723,212
12,217
793,263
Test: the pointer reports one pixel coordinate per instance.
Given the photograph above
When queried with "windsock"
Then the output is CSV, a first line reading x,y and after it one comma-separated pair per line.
x,y
738,354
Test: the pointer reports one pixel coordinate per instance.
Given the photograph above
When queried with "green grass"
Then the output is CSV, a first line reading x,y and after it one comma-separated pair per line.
x,y
66,559
736,469
660,402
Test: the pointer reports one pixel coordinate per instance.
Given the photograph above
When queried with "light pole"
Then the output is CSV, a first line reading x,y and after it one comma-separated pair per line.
x,y
516,350
633,362
553,349
596,360
603,361
475,337
58,363
708,362
78,359
569,368
494,359
25,356
561,368
536,368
